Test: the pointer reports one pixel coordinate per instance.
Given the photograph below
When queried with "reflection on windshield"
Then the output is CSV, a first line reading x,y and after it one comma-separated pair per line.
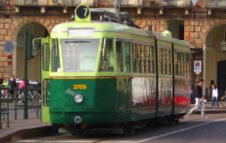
x,y
79,55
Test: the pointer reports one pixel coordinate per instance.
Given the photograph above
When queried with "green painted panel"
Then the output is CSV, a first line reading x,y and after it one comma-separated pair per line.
x,y
105,100
94,92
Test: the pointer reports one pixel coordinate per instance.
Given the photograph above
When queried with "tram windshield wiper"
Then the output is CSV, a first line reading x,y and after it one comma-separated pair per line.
x,y
77,41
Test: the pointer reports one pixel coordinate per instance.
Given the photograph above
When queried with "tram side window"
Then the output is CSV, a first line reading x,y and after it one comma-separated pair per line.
x,y
152,58
169,62
46,57
55,56
107,56
187,61
119,53
127,57
138,49
164,54
147,57
183,64
165,62
134,57
176,64
186,64
46,92
179,63
142,59
160,56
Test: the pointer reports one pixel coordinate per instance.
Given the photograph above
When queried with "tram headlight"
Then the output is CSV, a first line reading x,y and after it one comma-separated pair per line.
x,y
78,98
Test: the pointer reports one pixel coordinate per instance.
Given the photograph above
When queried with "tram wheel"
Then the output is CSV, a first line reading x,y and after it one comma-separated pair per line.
x,y
176,121
173,120
78,133
128,129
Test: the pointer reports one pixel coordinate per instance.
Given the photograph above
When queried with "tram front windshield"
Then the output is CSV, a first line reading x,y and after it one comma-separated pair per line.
x,y
79,55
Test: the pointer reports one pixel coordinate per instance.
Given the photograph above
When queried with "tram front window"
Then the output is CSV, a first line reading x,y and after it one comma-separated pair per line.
x,y
79,55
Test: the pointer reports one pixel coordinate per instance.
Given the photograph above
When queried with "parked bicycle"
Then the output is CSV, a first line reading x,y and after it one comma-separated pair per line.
x,y
33,95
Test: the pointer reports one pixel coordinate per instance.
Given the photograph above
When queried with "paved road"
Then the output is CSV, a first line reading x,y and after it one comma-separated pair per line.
x,y
191,130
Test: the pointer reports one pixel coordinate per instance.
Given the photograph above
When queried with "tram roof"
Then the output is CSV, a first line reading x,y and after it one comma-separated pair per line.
x,y
159,36
116,28
103,27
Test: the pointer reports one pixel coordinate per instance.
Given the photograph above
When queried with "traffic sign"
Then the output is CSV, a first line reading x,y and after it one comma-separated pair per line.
x,y
197,66
9,46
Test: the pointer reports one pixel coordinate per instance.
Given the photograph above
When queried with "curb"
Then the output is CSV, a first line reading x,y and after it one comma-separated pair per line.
x,y
211,111
29,133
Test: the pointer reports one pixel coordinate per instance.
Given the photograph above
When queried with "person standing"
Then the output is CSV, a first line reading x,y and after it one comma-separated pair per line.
x,y
214,95
5,88
199,99
21,89
210,88
12,85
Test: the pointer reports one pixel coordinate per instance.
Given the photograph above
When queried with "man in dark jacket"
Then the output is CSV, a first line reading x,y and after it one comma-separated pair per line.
x,y
12,85
199,99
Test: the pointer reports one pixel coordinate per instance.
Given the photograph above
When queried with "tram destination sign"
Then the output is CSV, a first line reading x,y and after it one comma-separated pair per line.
x,y
80,32
197,66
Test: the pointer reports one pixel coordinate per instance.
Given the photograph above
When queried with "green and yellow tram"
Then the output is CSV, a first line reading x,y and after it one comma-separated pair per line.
x,y
108,73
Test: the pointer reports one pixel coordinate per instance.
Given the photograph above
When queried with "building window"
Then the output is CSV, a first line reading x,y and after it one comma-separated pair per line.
x,y
176,27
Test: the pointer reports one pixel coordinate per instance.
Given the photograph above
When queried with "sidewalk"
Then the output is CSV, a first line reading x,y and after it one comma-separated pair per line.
x,y
211,110
21,128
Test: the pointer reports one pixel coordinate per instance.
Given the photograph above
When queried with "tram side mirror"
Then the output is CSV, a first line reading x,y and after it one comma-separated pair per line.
x,y
35,46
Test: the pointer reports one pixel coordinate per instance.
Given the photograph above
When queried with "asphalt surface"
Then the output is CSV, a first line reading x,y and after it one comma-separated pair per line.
x,y
31,130
190,130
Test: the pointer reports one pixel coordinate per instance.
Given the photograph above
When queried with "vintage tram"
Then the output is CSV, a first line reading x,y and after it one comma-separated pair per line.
x,y
106,72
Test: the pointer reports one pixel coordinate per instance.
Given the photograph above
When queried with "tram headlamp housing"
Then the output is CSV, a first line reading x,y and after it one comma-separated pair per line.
x,y
78,98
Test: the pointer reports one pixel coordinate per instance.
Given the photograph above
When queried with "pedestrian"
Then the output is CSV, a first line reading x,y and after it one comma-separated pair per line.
x,y
20,92
5,88
12,85
210,88
214,96
199,100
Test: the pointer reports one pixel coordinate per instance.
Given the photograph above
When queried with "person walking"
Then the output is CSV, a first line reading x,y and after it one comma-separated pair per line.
x,y
214,96
199,100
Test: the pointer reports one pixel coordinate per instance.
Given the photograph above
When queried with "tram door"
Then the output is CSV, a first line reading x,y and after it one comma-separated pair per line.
x,y
221,77
44,45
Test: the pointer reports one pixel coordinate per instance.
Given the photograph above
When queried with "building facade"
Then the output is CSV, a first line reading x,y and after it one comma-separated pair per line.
x,y
201,22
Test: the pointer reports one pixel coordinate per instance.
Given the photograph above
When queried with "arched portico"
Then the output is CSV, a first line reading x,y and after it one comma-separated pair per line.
x,y
214,57
33,64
